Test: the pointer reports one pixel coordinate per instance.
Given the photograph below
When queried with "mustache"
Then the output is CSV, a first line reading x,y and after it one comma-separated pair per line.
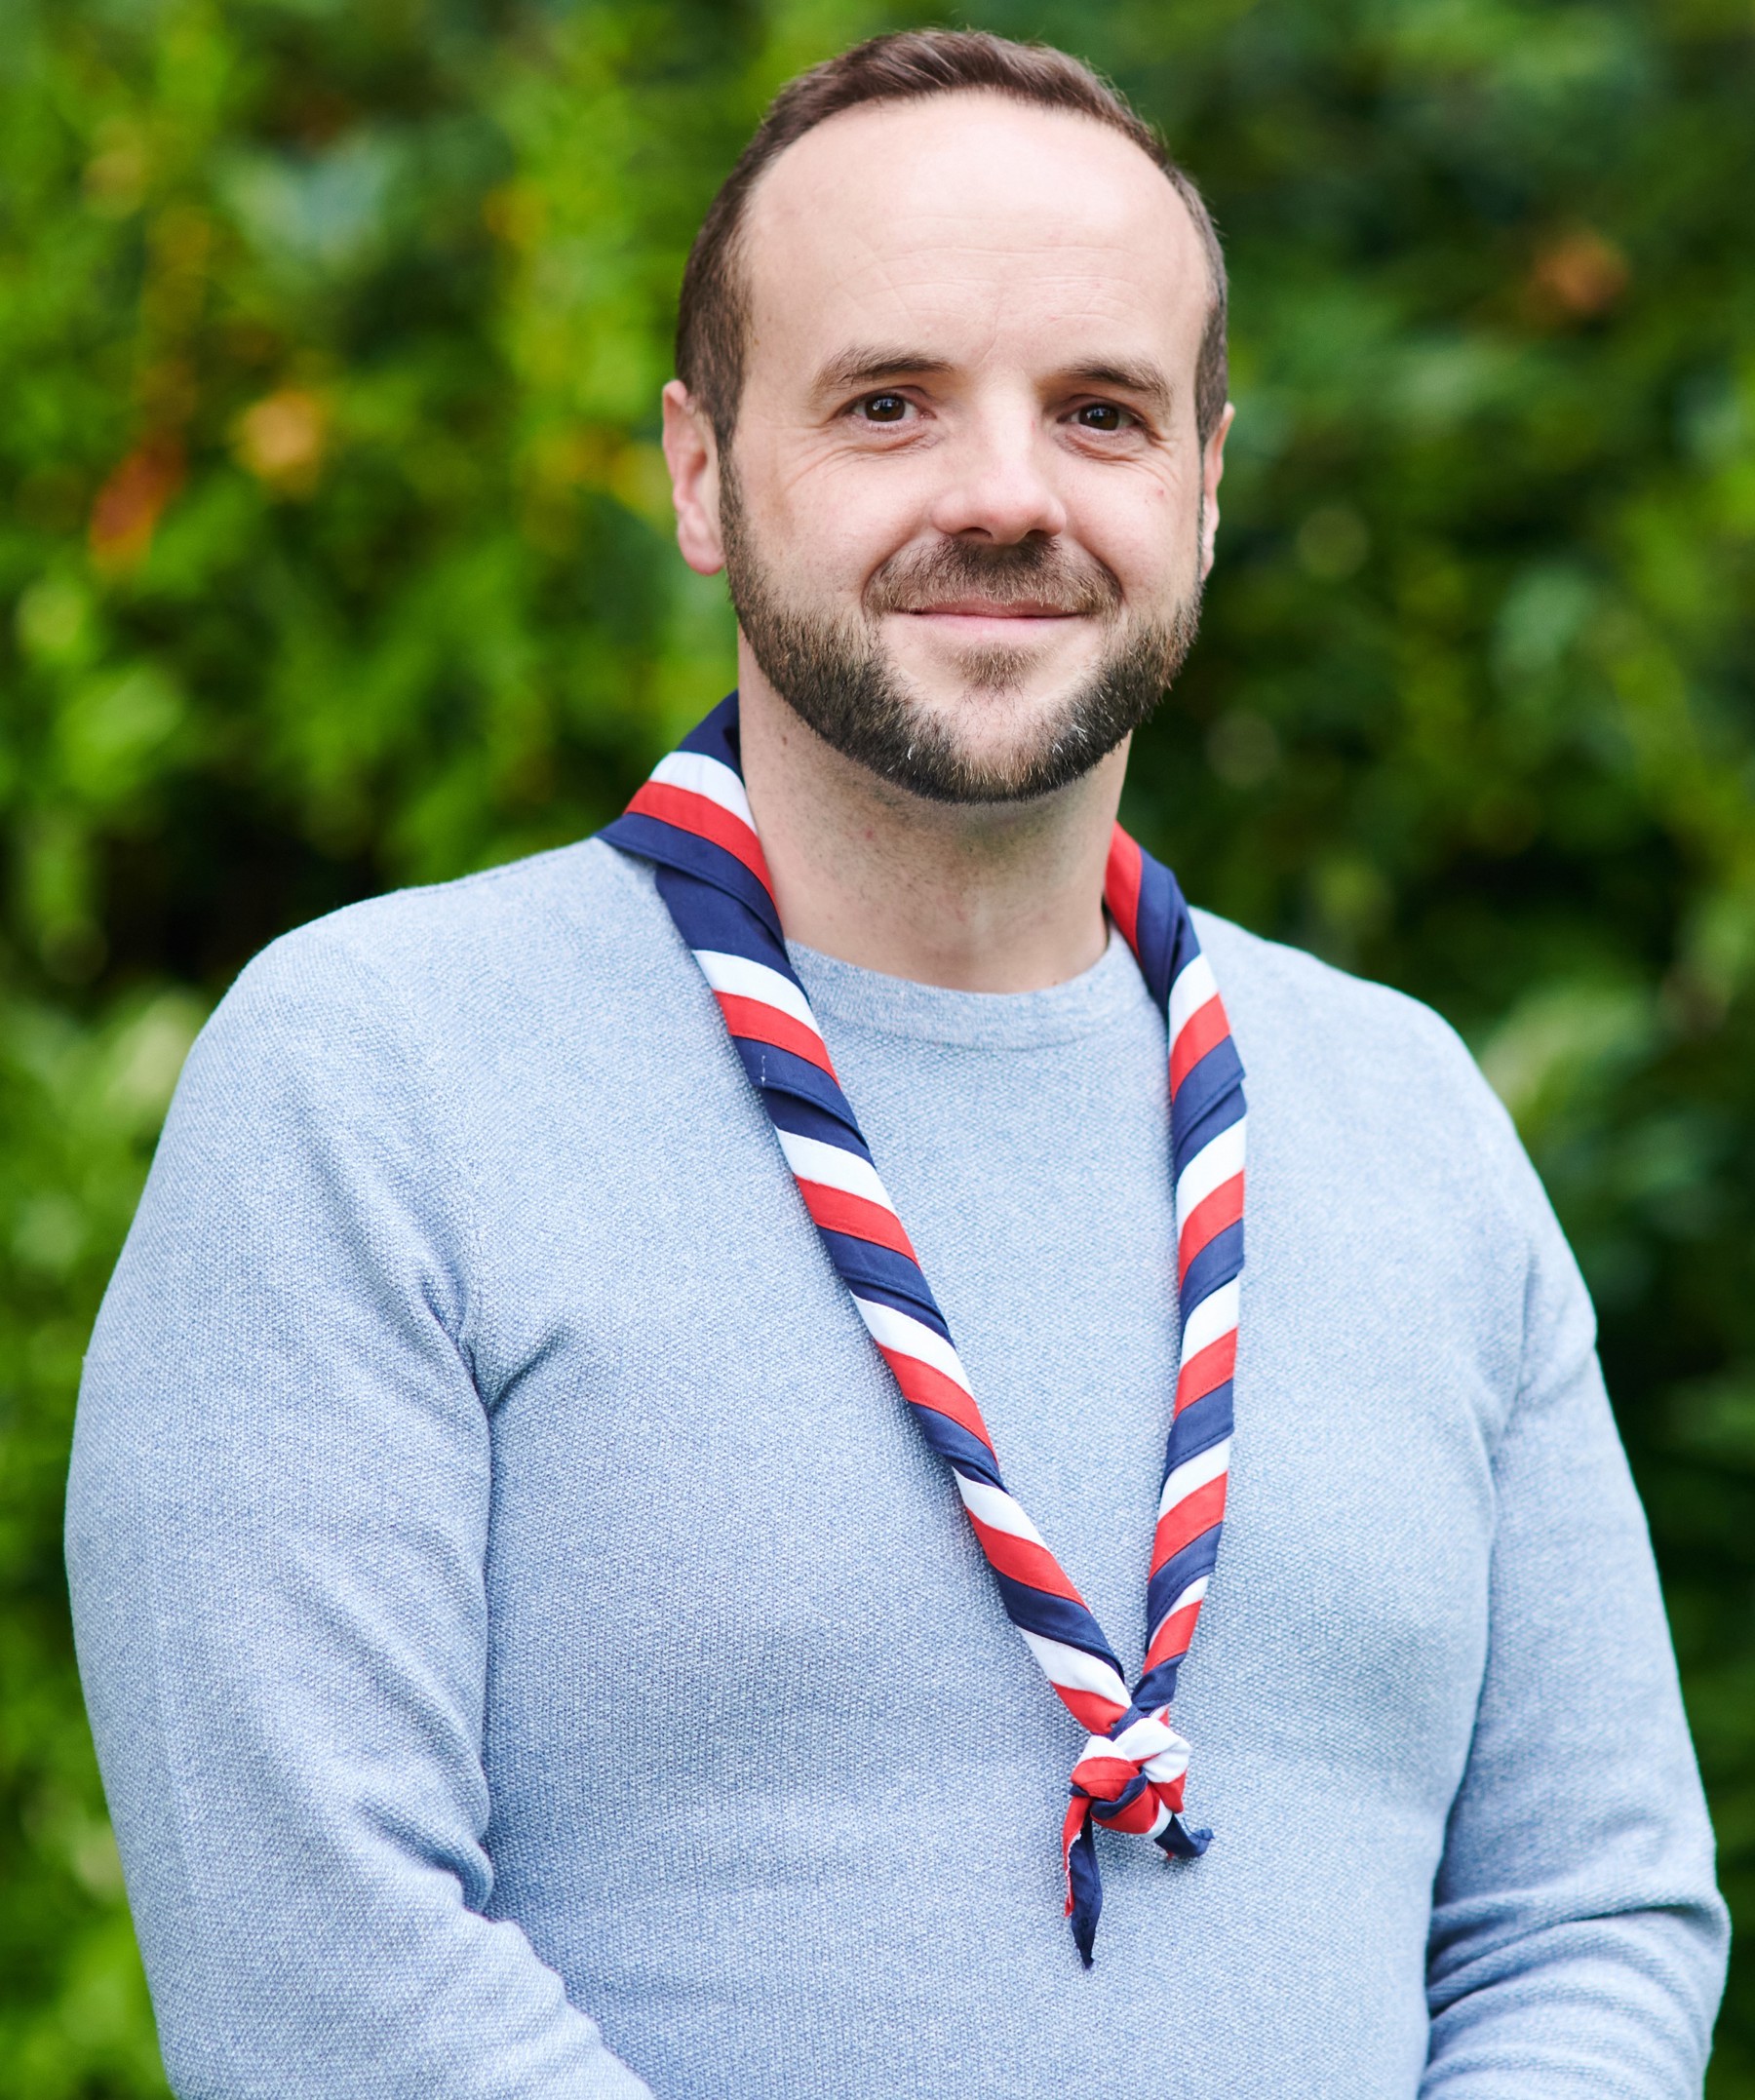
x,y
1040,571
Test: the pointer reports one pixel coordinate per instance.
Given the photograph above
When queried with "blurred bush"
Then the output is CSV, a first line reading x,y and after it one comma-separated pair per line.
x,y
334,554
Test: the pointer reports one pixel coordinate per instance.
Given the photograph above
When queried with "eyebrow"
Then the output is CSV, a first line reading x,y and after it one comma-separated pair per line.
x,y
865,365
1146,381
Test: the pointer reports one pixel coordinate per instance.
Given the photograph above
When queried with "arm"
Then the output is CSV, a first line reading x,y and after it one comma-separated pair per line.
x,y
276,1524
1577,1941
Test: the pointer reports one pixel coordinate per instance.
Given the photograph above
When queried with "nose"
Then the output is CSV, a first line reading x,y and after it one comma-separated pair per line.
x,y
999,483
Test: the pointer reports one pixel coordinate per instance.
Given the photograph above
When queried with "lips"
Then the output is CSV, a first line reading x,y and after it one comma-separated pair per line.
x,y
970,608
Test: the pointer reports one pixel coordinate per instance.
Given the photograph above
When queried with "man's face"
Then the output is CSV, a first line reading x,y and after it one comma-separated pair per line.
x,y
966,513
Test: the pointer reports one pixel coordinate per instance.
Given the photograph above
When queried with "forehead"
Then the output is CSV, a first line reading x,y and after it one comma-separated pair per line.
x,y
972,226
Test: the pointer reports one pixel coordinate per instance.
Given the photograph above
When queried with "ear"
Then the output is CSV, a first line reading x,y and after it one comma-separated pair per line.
x,y
691,454
1212,472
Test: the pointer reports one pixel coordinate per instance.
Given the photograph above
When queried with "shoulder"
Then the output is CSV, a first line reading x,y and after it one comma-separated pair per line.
x,y
455,954
1288,1008
485,930
1372,1126
394,1037
390,1000
1368,1079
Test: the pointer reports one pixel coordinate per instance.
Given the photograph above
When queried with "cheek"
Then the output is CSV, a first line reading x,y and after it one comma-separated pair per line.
x,y
839,519
1145,534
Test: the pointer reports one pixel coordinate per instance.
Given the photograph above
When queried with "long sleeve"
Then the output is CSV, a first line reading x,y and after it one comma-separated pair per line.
x,y
1578,1940
276,1529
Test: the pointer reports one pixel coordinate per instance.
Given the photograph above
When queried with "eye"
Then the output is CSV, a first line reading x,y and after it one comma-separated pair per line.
x,y
884,408
1102,415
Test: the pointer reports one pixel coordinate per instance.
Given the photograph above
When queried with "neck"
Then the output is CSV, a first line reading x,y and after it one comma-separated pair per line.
x,y
992,897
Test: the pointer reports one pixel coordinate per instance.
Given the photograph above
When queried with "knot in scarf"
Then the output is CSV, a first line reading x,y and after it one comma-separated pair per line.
x,y
1131,1781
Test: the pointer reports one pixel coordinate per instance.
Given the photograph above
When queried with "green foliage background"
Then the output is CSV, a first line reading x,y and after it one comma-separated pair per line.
x,y
333,554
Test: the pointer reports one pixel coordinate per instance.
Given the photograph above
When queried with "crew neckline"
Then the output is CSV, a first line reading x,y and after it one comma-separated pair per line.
x,y
1083,1005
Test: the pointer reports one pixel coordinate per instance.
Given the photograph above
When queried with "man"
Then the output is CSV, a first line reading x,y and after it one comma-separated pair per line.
x,y
549,1584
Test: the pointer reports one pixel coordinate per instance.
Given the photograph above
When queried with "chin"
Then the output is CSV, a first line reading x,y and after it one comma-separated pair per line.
x,y
998,738
1025,684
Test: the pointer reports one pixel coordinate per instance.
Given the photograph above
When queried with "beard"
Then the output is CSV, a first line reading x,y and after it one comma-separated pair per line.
x,y
832,671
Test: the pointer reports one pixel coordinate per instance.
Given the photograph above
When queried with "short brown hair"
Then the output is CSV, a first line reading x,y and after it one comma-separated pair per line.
x,y
713,315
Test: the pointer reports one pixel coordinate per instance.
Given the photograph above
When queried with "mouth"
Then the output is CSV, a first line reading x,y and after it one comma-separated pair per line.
x,y
1015,616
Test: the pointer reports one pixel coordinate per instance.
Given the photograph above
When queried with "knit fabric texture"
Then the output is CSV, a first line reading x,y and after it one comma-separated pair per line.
x,y
532,1655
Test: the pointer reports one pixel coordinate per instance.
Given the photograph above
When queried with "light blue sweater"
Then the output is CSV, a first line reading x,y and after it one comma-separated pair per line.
x,y
532,1655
